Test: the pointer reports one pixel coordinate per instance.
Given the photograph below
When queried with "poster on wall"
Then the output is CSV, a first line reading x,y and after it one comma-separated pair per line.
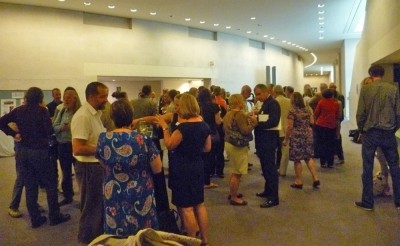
x,y
7,105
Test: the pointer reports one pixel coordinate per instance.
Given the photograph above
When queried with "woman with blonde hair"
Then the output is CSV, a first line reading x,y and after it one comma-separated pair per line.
x,y
189,141
238,127
300,138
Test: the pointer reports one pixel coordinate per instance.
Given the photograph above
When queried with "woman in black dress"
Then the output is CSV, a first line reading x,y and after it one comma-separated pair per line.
x,y
189,140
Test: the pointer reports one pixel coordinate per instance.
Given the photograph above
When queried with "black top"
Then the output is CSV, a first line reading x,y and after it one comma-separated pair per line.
x,y
34,125
208,112
52,107
194,135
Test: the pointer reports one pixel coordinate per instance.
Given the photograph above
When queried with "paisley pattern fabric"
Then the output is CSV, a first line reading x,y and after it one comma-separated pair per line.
x,y
129,203
301,140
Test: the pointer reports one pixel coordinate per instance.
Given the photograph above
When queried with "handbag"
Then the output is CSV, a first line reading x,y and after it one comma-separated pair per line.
x,y
235,137
168,221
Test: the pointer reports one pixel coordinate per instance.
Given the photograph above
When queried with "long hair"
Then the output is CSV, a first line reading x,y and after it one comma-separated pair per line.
x,y
297,100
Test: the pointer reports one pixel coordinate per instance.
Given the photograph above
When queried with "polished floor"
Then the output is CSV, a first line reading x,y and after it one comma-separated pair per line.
x,y
326,216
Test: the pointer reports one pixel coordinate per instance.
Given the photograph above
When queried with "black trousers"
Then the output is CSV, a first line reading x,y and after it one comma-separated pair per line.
x,y
66,161
36,169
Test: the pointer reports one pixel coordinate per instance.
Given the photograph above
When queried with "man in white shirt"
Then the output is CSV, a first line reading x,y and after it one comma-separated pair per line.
x,y
86,127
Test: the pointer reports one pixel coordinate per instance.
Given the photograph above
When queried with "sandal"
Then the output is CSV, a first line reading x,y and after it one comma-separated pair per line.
x,y
210,186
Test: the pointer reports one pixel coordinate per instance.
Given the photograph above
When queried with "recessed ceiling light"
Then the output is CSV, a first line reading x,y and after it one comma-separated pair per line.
x,y
321,5
153,13
187,19
248,32
321,18
297,46
265,36
252,18
283,41
321,23
133,10
293,44
289,42
321,31
228,27
202,22
321,12
87,3
61,0
272,38
321,37
111,6
216,24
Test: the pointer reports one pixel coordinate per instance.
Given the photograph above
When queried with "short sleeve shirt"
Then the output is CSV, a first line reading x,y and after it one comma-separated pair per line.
x,y
86,124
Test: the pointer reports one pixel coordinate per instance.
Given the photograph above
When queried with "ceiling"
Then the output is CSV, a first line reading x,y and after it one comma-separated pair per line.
x,y
287,21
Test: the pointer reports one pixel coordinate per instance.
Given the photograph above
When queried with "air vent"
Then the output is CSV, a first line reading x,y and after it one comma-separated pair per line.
x,y
257,44
203,34
107,21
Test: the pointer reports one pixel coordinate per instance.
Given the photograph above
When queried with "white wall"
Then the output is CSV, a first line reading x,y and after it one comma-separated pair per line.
x,y
380,38
51,47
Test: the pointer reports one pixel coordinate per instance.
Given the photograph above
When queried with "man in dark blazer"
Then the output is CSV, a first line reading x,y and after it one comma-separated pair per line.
x,y
266,141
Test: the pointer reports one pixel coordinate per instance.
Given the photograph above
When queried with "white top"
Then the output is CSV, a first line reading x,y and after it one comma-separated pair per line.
x,y
86,124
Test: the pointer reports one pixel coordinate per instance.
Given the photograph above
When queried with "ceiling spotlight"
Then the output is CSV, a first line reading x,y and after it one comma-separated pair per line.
x,y
133,10
202,22
321,23
321,5
153,13
321,31
87,3
293,44
321,37
216,24
321,12
61,0
111,6
248,32
297,46
187,19
265,36
321,18
272,38
252,18
228,27
289,42
283,41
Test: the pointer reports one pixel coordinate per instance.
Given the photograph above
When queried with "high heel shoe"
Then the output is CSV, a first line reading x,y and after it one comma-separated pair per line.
x,y
297,186
316,184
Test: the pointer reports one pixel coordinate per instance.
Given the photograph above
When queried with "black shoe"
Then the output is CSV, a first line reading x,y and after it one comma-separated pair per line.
x,y
261,194
269,204
65,202
330,166
361,205
316,184
61,218
39,221
297,186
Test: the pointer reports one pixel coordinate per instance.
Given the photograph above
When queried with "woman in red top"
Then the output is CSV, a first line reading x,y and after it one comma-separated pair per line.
x,y
327,114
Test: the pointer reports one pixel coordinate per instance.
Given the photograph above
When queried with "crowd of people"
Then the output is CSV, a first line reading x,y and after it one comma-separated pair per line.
x,y
116,149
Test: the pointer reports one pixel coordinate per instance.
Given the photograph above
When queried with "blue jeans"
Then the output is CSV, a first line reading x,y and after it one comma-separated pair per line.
x,y
386,140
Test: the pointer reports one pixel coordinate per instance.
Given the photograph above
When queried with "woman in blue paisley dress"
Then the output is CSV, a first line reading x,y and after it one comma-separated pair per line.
x,y
189,140
300,137
130,160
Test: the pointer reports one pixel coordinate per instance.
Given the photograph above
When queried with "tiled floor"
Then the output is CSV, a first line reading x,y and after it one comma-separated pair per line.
x,y
304,217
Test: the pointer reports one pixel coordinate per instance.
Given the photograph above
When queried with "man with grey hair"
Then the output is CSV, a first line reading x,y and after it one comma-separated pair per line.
x,y
246,93
282,154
